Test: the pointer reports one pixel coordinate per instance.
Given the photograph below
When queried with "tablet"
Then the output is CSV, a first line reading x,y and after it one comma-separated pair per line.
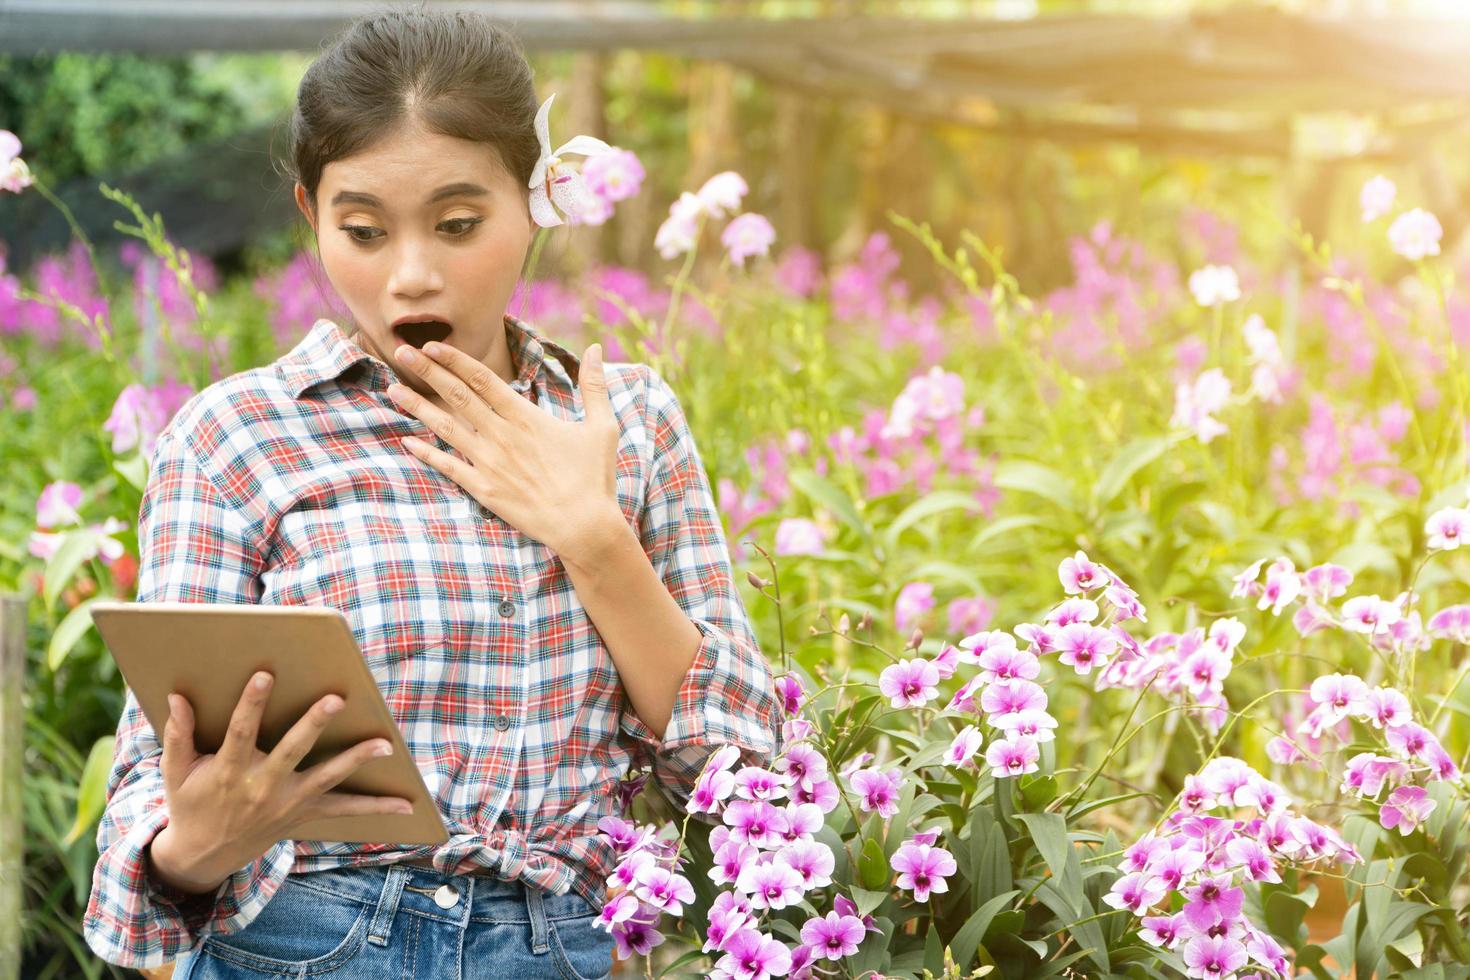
x,y
208,651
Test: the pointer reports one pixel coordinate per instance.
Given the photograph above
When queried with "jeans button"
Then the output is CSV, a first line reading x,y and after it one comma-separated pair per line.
x,y
446,897
507,608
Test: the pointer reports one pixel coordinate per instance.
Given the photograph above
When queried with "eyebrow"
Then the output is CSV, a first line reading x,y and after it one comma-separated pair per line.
x,y
461,189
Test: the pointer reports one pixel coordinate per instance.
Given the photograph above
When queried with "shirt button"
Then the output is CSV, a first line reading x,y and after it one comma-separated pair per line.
x,y
446,897
502,722
507,608
486,512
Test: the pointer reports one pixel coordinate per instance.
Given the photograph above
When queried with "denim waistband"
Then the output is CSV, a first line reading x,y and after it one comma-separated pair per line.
x,y
388,889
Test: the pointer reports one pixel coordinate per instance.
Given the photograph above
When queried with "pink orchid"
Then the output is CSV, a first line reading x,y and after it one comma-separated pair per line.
x,y
1406,809
833,936
1013,756
877,790
909,683
923,869
752,955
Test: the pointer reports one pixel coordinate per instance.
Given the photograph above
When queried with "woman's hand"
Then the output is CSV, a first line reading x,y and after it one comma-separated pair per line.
x,y
229,808
553,480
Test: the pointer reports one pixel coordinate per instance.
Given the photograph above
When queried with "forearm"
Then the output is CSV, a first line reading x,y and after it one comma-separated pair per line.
x,y
651,639
181,872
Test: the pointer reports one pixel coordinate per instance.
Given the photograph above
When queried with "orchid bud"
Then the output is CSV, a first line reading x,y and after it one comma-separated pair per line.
x,y
866,622
915,638
756,580
844,624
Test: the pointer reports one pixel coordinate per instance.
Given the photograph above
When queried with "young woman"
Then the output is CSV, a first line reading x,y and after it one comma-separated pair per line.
x,y
538,580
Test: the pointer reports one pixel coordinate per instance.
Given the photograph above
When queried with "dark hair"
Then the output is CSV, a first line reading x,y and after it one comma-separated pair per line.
x,y
456,72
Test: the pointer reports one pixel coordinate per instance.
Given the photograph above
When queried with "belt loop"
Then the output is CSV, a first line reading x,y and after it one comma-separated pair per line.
x,y
539,941
387,905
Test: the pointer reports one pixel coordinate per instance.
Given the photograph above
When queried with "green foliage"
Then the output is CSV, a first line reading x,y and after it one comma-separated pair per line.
x,y
85,114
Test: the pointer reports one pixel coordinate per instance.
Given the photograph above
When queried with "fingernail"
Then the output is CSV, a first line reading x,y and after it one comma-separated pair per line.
x,y
384,749
332,706
405,808
262,681
433,349
406,354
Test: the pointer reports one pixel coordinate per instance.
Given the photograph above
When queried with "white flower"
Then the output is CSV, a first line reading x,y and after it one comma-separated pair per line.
x,y
14,174
1415,234
722,193
1195,404
1214,285
679,230
1266,357
1376,198
551,183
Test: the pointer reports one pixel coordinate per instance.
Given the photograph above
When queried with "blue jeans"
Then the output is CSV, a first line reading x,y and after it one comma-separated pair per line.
x,y
399,922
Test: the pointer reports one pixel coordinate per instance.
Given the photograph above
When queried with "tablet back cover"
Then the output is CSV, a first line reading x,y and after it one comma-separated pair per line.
x,y
209,651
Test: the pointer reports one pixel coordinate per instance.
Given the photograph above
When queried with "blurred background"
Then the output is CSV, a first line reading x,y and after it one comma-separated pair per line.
x,y
1074,163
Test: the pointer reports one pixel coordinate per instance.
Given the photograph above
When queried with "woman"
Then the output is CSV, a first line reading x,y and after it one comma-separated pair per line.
x,y
539,583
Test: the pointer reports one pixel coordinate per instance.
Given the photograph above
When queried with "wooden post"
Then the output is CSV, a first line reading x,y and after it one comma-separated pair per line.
x,y
12,812
586,114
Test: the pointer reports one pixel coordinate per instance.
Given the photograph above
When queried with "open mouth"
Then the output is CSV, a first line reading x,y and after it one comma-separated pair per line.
x,y
419,333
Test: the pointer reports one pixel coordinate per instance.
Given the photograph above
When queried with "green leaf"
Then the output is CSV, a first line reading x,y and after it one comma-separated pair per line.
x,y
990,860
933,951
92,789
927,506
967,940
1049,834
1038,791
872,866
76,547
1285,909
675,968
69,631
1007,923
1004,526
1087,806
825,493
134,469
1124,464
866,899
1034,478
872,950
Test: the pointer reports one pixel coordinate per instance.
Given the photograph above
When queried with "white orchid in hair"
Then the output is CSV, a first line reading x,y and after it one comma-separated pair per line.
x,y
552,181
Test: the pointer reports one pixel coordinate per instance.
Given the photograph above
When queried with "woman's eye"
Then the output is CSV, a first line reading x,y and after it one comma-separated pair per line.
x,y
352,231
457,227
464,224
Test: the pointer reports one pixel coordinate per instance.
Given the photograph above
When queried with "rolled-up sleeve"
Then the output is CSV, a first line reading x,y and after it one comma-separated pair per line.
x,y
193,547
728,696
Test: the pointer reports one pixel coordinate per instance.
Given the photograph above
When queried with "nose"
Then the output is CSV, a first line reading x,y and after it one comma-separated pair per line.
x,y
414,271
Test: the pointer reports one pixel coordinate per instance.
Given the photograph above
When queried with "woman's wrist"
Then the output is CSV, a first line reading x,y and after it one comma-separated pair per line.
x,y
177,871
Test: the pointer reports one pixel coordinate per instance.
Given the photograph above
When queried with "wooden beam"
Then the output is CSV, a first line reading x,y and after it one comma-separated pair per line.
x,y
12,769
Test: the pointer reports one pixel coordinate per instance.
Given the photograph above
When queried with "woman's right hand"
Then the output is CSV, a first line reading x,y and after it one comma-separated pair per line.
x,y
228,808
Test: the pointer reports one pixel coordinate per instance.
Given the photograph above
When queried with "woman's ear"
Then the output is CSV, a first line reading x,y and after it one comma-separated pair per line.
x,y
304,205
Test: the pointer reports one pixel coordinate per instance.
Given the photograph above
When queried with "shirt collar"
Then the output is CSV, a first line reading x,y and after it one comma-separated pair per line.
x,y
326,353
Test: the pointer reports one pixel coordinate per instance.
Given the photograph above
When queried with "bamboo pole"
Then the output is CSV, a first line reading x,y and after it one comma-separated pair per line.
x,y
12,734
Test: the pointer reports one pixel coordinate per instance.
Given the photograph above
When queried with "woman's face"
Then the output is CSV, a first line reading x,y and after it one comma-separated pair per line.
x,y
400,234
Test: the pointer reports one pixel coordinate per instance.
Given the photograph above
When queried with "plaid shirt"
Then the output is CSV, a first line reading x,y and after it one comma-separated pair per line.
x,y
286,485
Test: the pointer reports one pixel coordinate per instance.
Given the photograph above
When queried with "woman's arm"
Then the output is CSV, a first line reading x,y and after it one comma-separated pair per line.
x,y
194,547
665,603
650,636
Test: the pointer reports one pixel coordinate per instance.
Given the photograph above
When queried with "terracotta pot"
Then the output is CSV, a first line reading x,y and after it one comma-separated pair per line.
x,y
1324,920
